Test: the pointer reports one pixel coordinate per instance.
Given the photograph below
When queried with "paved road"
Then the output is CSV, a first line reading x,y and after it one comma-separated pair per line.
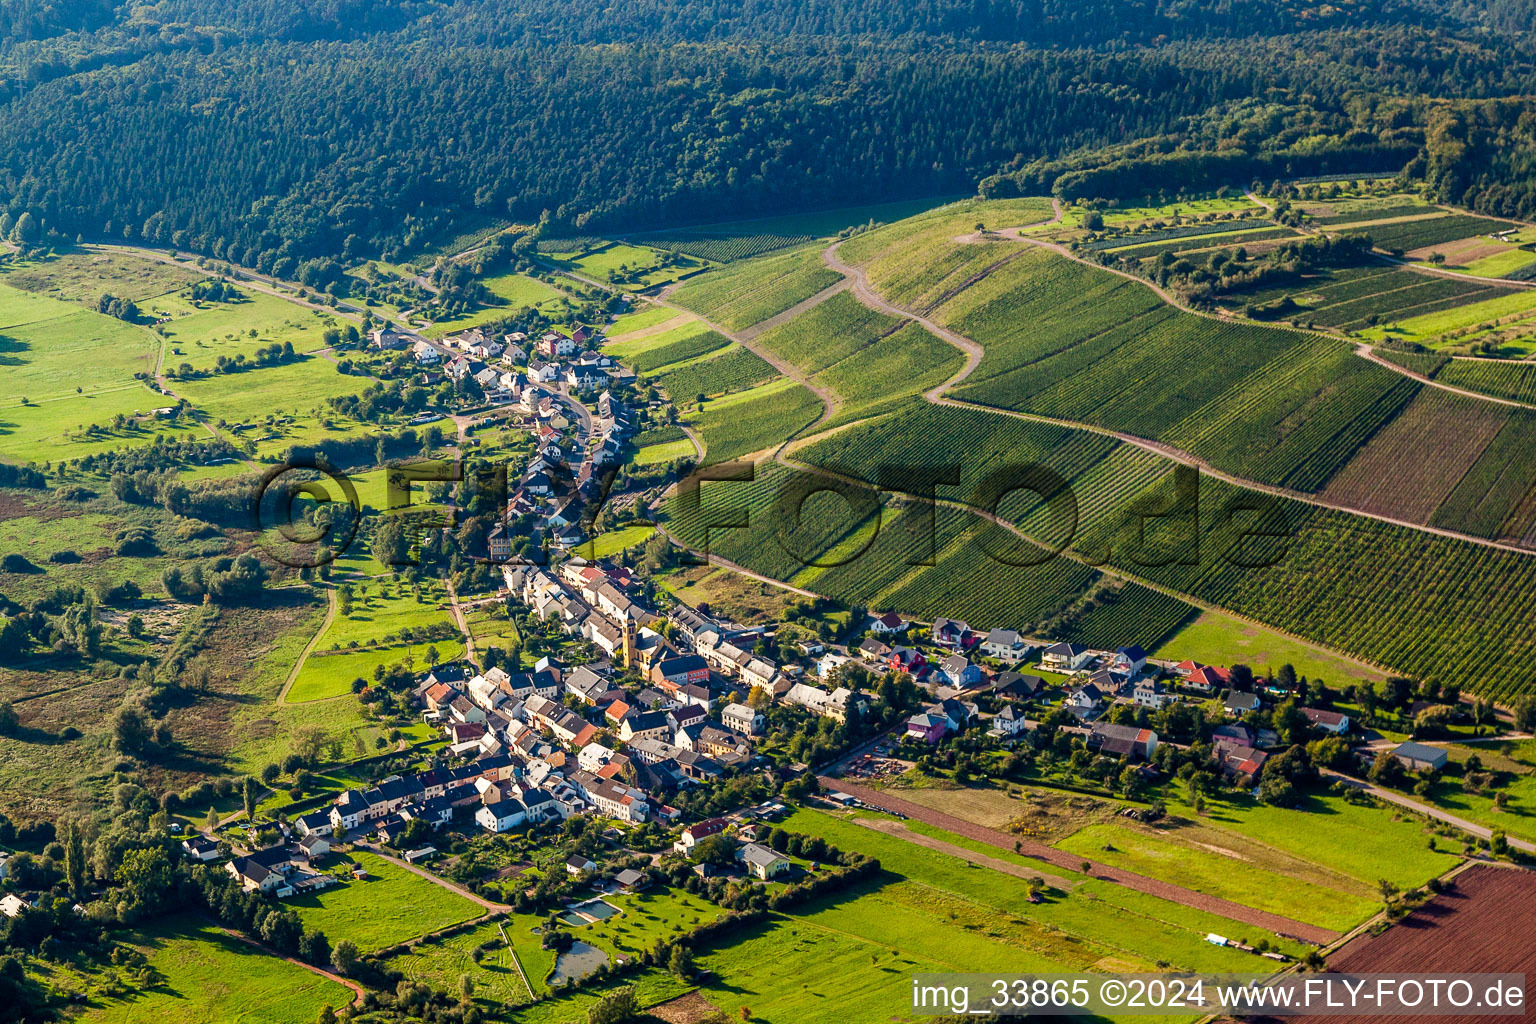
x,y
1428,810
1071,862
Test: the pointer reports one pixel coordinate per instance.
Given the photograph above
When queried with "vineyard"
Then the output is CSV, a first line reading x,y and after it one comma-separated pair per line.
x,y
755,420
1515,381
733,369
1116,241
1379,213
749,292
678,345
1426,363
722,248
919,262
1416,234
1425,605
1204,242
664,433
1412,465
829,332
1039,305
1353,298
889,372
1297,419
1495,497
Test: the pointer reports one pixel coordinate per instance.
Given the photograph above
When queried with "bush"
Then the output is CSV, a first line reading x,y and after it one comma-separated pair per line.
x,y
17,563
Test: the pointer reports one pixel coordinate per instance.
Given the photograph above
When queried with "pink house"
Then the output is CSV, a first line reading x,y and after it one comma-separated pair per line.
x,y
927,728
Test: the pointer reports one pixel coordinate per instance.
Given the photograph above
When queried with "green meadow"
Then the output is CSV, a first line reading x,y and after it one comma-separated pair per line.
x,y
389,906
208,975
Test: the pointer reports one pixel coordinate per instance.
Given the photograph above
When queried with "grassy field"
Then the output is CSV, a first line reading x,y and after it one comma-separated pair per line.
x,y
84,275
1427,329
497,983
611,543
331,667
389,906
207,975
1230,877
515,290
239,328
295,387
1219,639
666,451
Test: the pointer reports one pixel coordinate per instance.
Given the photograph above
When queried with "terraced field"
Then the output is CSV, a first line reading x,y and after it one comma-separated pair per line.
x,y
1411,466
742,294
885,374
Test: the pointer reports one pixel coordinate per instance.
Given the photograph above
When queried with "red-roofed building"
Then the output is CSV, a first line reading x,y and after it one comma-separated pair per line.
x,y
1208,679
697,833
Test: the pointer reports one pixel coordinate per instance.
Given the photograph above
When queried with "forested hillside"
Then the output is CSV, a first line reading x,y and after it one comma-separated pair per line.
x,y
265,130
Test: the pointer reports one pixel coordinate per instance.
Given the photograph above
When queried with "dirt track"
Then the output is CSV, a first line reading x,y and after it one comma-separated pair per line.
x,y
1151,886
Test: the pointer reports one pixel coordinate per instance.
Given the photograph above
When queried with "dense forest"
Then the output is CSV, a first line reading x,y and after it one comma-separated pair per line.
x,y
257,130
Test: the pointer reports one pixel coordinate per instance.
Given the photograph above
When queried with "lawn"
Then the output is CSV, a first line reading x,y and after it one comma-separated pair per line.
x,y
1216,638
614,541
388,907
667,451
207,975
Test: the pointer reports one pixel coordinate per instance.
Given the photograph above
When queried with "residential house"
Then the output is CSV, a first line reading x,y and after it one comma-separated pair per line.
x,y
889,624
1239,763
1328,721
646,725
742,719
1007,723
951,633
959,671
200,848
1013,686
1149,693
425,353
1005,645
1208,679
1066,657
1237,702
696,833
1129,661
762,862
579,864
1123,741
927,728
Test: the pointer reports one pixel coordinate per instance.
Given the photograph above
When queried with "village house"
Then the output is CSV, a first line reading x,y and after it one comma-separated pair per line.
x,y
695,834
951,633
1005,645
1065,657
1328,721
742,719
1007,723
889,624
1122,741
761,862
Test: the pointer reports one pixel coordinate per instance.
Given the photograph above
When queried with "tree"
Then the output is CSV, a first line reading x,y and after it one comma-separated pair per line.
x,y
680,963
248,795
212,819
74,860
344,957
615,1008
27,231
1525,714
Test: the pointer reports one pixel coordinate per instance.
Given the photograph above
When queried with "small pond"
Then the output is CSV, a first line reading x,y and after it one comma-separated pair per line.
x,y
577,962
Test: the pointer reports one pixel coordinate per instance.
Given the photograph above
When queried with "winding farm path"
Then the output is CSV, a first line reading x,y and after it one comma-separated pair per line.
x,y
1367,351
974,352
1072,862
